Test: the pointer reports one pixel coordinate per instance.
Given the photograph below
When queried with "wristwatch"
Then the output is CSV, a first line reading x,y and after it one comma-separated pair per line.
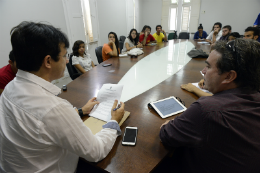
x,y
80,112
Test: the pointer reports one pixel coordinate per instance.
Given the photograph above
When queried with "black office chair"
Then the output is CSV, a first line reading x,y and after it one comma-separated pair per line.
x,y
72,70
121,46
184,35
98,51
122,38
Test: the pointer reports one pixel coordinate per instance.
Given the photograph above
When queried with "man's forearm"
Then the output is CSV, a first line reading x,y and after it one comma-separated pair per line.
x,y
144,41
213,39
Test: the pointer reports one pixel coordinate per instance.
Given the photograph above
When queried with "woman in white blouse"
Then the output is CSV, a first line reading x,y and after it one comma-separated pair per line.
x,y
132,41
80,59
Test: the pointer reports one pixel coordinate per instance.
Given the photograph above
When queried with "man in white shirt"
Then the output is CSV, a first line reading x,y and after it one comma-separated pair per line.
x,y
40,132
215,34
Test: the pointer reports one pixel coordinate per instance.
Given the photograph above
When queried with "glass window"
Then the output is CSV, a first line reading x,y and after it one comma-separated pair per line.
x,y
87,19
186,1
174,1
185,18
173,14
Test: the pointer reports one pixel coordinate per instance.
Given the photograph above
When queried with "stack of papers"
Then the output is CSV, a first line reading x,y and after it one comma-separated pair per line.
x,y
106,97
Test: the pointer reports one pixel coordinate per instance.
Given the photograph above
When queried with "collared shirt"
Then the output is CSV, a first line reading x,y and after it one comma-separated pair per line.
x,y
218,133
210,36
40,132
6,75
85,62
158,38
224,38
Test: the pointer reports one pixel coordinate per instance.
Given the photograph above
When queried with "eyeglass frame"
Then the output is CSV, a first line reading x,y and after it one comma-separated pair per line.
x,y
179,99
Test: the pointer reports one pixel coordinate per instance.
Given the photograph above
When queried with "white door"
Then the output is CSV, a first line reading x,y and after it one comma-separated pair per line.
x,y
95,29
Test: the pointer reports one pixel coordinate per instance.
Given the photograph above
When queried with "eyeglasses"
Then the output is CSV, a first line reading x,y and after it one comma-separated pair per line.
x,y
179,99
231,47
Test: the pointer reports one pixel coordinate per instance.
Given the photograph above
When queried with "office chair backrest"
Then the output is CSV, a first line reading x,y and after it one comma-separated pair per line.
x,y
121,46
184,35
172,35
71,69
98,51
122,38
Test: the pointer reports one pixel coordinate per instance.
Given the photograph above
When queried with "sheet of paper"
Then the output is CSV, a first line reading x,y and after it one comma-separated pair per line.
x,y
197,85
106,97
120,55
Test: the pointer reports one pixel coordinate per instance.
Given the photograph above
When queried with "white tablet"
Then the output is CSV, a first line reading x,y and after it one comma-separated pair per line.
x,y
168,107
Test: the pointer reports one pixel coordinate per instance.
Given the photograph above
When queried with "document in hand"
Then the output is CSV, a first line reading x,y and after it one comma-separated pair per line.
x,y
106,97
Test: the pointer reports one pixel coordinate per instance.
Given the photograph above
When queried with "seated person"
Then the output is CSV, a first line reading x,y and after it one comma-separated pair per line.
x,y
215,34
233,36
132,41
257,21
146,38
221,133
160,34
8,72
251,33
111,48
193,89
226,30
200,34
80,59
41,132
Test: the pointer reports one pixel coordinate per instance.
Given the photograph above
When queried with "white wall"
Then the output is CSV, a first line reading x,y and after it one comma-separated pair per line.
x,y
151,14
112,17
13,12
238,13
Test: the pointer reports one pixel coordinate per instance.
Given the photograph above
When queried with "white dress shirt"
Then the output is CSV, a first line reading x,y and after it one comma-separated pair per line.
x,y
210,36
85,62
40,132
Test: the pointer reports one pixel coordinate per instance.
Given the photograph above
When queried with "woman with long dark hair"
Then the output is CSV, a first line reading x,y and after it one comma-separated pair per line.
x,y
111,48
132,41
81,60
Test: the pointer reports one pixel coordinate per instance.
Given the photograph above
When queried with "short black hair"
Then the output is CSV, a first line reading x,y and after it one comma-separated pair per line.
x,y
75,47
244,60
254,29
235,34
11,56
158,26
218,23
32,42
146,26
228,27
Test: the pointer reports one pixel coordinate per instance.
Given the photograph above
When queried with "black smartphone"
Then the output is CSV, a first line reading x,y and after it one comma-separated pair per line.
x,y
105,65
130,136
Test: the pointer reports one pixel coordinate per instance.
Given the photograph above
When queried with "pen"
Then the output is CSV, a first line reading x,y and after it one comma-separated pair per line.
x,y
117,108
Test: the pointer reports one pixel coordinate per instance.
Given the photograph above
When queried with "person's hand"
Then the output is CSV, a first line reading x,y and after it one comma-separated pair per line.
x,y
118,113
139,45
216,31
201,84
189,87
110,43
166,122
89,106
163,31
146,34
